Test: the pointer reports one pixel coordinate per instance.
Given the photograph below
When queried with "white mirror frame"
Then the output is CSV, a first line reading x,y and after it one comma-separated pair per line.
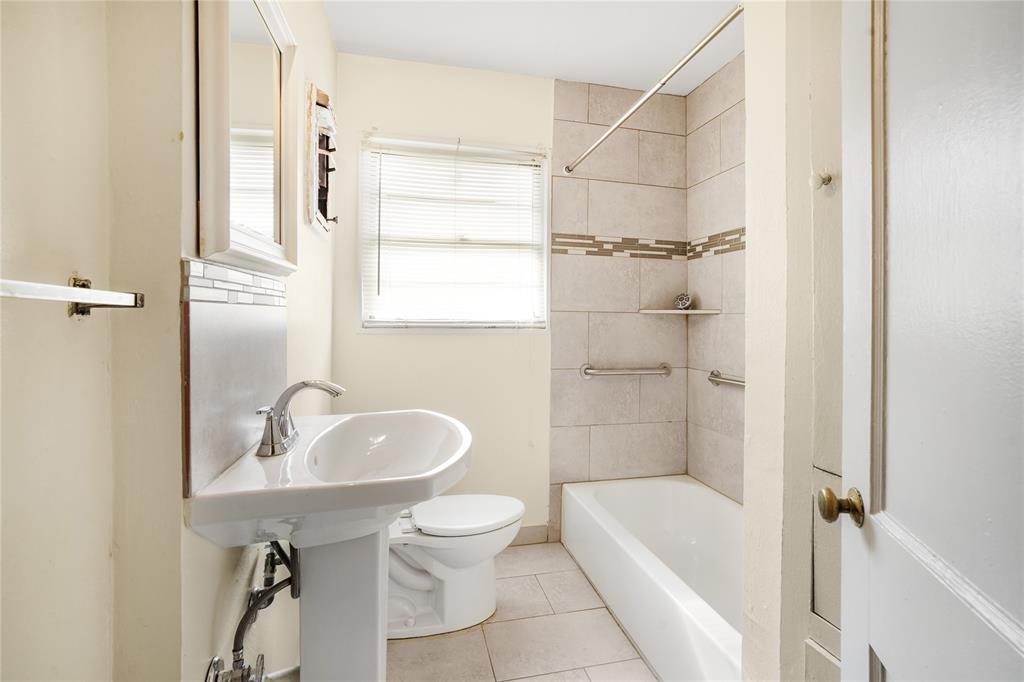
x,y
217,241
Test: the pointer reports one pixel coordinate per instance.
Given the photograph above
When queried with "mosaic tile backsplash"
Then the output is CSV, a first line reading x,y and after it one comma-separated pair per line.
x,y
203,281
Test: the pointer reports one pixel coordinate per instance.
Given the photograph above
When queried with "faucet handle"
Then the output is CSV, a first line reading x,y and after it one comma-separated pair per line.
x,y
267,410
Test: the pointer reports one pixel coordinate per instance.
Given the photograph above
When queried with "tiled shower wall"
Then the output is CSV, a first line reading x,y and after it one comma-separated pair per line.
x,y
715,204
619,231
620,244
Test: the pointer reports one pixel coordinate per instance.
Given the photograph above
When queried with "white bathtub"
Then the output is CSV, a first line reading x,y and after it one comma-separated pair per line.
x,y
666,554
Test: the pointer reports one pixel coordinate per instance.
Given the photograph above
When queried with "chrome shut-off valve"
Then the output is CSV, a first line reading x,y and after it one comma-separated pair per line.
x,y
238,673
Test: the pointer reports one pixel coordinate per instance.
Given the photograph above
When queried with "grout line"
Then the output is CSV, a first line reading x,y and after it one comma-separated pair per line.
x,y
545,592
541,615
487,648
708,179
588,122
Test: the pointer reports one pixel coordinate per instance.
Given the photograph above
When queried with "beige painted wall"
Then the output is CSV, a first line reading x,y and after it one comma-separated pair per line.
x,y
106,568
57,460
149,55
495,382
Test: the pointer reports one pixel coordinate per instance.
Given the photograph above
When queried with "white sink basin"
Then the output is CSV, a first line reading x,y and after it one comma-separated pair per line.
x,y
348,476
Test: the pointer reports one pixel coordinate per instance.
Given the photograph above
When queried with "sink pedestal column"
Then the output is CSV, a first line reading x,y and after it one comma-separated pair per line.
x,y
343,610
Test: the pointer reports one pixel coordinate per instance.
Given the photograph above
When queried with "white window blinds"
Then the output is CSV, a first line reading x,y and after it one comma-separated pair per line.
x,y
452,236
252,182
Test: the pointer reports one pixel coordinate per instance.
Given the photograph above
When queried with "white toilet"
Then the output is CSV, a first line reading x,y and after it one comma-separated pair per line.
x,y
441,562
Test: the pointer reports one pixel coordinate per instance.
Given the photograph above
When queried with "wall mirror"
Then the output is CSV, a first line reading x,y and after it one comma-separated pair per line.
x,y
247,169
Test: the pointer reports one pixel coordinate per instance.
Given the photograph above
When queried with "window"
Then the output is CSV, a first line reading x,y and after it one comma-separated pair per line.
x,y
252,182
452,236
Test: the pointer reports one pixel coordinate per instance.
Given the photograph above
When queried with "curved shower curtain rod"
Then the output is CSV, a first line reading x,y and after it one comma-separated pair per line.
x,y
736,11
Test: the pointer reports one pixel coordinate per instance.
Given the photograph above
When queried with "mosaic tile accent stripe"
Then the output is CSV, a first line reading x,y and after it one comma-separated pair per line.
x,y
628,247
633,247
716,244
202,281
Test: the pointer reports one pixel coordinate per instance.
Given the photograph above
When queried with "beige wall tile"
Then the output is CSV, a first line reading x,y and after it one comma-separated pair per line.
x,y
569,591
662,159
458,655
715,460
660,282
701,342
569,333
571,100
734,123
631,450
662,113
637,340
570,454
827,553
663,399
520,597
534,646
719,92
555,514
532,559
616,159
703,401
576,401
716,205
717,408
730,452
569,205
717,342
733,281
704,152
604,283
633,671
732,410
704,282
617,209
731,348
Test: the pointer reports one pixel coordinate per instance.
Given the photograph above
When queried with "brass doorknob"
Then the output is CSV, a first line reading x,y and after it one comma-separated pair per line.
x,y
830,506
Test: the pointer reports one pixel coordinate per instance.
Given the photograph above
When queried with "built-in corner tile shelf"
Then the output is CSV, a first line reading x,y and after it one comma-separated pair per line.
x,y
675,311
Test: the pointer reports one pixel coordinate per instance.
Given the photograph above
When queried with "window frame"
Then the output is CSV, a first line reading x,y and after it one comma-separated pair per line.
x,y
375,140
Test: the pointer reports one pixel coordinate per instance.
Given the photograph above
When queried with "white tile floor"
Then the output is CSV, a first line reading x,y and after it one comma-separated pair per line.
x,y
550,625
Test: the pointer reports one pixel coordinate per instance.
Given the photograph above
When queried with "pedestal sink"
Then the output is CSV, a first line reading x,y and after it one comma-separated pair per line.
x,y
334,496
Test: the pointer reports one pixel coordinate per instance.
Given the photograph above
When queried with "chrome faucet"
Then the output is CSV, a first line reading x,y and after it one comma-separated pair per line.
x,y
279,434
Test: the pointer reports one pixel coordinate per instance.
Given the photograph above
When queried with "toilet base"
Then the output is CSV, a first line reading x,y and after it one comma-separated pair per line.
x,y
455,598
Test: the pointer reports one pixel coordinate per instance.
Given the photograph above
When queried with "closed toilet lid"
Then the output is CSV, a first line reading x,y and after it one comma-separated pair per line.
x,y
458,515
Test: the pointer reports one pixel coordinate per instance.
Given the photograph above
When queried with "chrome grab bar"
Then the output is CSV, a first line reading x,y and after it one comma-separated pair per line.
x,y
716,378
588,370
80,294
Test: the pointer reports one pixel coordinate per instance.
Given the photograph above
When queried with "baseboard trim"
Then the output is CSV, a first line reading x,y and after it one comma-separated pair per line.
x,y
531,535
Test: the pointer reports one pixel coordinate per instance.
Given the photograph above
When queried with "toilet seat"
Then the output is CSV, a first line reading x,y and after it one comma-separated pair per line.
x,y
464,515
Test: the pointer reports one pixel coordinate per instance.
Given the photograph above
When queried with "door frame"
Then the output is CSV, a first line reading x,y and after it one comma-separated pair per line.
x,y
860,336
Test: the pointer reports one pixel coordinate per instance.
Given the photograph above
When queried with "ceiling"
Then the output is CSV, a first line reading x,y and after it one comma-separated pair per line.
x,y
628,44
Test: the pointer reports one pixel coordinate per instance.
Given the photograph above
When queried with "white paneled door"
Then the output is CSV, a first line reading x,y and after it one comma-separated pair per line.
x,y
933,291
